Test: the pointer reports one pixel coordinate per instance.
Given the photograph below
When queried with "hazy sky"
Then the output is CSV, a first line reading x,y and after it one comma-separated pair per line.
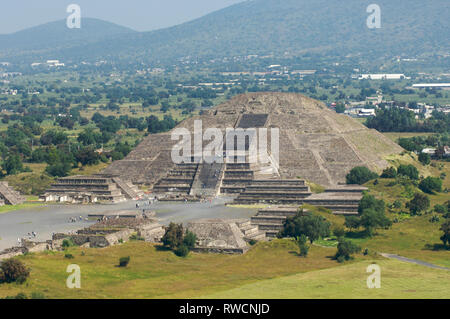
x,y
141,15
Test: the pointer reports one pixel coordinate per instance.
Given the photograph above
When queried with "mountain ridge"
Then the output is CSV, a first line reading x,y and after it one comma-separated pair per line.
x,y
273,27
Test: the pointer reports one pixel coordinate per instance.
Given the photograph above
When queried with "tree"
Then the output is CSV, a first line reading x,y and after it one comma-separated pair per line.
x,y
190,239
369,201
340,108
419,203
360,175
310,225
389,172
58,169
424,158
304,248
345,249
352,222
431,184
372,219
446,236
173,236
338,231
408,171
13,164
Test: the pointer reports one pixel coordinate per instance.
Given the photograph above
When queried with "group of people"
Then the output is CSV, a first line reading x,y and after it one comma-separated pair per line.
x,y
74,219
31,235
147,202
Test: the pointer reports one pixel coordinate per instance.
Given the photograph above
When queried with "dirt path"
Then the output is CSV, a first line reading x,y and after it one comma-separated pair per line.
x,y
413,261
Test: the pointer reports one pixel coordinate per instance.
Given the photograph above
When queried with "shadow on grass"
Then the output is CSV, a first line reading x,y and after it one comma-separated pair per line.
x,y
436,247
356,234
162,248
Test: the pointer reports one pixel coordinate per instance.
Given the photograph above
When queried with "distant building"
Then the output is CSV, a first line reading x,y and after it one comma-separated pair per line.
x,y
382,77
429,151
54,63
431,86
366,112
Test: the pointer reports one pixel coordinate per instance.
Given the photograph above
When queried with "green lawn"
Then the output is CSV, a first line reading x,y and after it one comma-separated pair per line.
x,y
399,280
156,273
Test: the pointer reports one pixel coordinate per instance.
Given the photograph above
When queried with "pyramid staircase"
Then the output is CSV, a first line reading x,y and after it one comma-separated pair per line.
x,y
179,180
129,190
251,231
10,196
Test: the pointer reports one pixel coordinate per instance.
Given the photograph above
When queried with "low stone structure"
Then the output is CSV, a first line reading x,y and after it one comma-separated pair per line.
x,y
27,247
91,189
112,231
224,235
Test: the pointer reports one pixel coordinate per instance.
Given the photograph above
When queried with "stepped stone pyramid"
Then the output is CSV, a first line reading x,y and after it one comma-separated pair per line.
x,y
91,189
9,196
315,144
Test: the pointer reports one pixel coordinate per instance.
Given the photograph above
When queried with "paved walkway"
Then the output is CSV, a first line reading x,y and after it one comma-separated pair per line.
x,y
55,218
413,261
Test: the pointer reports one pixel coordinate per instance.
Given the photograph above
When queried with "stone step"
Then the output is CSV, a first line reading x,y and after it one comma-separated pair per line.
x,y
270,226
243,223
268,219
249,230
271,233
259,235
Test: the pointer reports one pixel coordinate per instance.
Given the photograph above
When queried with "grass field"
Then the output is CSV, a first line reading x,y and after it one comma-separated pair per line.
x,y
398,281
268,270
156,273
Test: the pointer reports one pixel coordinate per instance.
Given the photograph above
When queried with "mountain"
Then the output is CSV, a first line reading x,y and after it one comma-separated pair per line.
x,y
274,27
56,35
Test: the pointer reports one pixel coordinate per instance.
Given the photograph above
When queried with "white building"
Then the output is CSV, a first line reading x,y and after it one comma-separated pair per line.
x,y
382,76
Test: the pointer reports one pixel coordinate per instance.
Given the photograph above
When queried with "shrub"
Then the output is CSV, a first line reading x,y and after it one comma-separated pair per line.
x,y
446,236
68,256
345,249
434,219
338,231
397,204
408,171
360,175
123,261
424,158
37,295
182,251
389,172
252,242
21,295
189,239
419,203
304,248
68,242
441,209
430,185
13,270
352,222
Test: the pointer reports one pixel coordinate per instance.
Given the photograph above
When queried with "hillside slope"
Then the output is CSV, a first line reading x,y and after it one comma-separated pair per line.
x,y
288,26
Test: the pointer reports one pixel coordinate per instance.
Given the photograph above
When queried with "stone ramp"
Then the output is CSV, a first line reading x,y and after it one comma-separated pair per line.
x,y
207,179
128,191
9,195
